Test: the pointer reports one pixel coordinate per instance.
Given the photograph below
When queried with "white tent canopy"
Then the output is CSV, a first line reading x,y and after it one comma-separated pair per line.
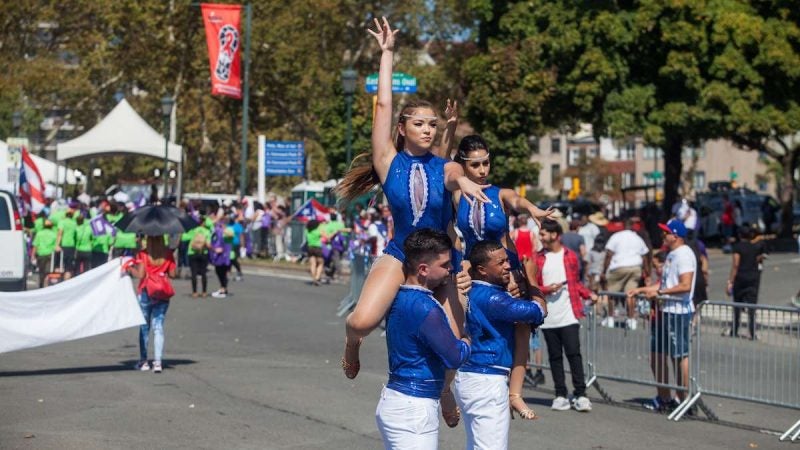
x,y
122,131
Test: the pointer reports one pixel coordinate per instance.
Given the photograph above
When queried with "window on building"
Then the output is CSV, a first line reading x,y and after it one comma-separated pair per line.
x,y
574,157
533,144
555,175
628,179
593,152
699,180
652,152
692,152
608,185
555,145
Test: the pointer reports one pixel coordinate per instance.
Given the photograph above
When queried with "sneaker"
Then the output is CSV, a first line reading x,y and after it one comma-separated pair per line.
x,y
238,278
608,322
156,366
560,404
582,404
538,378
656,404
528,379
143,366
219,294
631,324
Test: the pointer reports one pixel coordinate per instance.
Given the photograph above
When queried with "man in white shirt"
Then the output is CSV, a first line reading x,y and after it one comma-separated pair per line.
x,y
588,232
557,274
626,257
670,335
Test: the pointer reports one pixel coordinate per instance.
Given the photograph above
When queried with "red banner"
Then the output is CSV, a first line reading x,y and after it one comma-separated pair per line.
x,y
224,39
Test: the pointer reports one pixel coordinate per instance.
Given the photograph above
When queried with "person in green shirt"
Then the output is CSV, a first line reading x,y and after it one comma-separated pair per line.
x,y
101,244
313,234
329,231
125,244
44,245
83,245
197,251
65,242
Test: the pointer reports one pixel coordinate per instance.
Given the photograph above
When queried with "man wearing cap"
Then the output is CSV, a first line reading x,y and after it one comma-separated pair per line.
x,y
671,333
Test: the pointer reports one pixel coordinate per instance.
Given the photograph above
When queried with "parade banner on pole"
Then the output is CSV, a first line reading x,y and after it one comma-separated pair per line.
x,y
223,36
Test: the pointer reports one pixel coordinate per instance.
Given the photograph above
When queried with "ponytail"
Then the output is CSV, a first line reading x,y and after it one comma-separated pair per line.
x,y
359,180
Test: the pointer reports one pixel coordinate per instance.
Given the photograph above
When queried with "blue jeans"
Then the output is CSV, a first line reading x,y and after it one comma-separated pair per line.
x,y
154,313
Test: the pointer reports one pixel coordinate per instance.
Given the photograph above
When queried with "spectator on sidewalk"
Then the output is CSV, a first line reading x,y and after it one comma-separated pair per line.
x,y
678,279
574,241
557,275
588,231
745,278
627,261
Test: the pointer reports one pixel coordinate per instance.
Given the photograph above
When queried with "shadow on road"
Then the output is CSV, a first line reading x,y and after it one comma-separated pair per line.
x,y
122,366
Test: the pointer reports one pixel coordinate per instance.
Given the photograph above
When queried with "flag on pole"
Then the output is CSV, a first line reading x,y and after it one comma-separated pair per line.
x,y
31,184
223,37
312,209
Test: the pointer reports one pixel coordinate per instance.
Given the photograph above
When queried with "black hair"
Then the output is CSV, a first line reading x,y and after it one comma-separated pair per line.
x,y
312,225
661,256
552,226
479,255
469,144
422,246
333,216
745,233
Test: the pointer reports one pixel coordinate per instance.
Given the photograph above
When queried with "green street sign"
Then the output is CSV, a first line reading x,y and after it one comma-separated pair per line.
x,y
656,175
734,175
401,82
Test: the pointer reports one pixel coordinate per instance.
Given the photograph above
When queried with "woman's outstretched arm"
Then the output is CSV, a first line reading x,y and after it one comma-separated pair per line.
x,y
383,150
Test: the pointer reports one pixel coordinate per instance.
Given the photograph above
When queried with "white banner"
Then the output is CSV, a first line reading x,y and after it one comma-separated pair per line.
x,y
99,301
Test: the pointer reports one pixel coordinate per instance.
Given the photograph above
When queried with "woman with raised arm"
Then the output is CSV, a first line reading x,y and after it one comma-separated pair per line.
x,y
478,222
417,185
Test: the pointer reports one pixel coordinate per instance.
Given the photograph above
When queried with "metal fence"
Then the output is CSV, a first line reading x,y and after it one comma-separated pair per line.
x,y
630,340
359,268
747,352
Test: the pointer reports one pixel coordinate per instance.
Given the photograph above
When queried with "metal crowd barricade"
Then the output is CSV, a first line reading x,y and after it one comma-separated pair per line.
x,y
728,363
359,268
632,343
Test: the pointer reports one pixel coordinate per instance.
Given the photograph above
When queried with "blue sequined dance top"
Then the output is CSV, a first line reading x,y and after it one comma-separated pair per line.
x,y
484,222
490,323
417,197
421,344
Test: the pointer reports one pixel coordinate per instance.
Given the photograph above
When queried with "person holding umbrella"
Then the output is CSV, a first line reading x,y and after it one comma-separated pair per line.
x,y
155,267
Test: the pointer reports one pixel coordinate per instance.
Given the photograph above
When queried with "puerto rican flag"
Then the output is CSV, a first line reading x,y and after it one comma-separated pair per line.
x,y
31,184
312,209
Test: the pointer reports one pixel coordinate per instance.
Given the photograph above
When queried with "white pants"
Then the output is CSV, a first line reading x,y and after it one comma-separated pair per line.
x,y
483,400
407,422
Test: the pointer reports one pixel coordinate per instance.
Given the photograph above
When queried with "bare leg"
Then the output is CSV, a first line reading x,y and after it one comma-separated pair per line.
x,y
681,375
380,289
320,266
450,411
453,303
659,365
522,336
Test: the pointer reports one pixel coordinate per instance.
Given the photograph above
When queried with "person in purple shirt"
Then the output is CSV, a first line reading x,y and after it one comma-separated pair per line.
x,y
421,346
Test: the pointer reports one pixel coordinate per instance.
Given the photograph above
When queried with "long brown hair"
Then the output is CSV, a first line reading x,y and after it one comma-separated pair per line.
x,y
362,177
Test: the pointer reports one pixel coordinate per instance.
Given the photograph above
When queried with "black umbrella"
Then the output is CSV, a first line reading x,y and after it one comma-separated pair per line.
x,y
156,220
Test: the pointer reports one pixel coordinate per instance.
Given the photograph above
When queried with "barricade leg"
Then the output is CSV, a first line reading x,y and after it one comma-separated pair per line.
x,y
795,428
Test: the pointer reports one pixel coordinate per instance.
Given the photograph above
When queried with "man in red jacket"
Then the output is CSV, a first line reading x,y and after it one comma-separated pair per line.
x,y
558,275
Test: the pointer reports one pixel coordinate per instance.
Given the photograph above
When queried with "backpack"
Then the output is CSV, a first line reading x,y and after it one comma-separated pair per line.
x,y
198,242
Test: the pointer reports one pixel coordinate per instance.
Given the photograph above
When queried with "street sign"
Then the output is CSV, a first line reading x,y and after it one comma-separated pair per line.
x,y
401,83
656,175
284,158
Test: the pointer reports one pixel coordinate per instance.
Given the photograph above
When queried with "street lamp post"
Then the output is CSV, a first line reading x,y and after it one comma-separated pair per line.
x,y
166,111
16,121
349,79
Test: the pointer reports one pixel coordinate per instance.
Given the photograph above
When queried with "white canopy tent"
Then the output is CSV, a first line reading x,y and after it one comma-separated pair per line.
x,y
122,131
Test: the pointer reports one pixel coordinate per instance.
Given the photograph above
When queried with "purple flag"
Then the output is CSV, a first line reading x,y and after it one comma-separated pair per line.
x,y
101,226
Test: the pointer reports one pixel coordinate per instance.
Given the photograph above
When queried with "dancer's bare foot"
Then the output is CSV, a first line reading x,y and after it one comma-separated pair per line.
x,y
350,363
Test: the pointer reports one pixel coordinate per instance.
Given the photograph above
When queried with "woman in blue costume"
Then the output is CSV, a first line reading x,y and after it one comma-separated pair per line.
x,y
417,185
478,222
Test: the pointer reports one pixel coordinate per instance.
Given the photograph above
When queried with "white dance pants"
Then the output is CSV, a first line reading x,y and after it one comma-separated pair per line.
x,y
483,400
407,422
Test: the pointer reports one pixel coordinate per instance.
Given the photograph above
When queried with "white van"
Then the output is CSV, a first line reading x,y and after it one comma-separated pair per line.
x,y
13,259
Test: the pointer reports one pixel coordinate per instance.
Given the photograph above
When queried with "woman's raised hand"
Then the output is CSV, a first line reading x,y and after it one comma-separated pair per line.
x,y
384,34
451,111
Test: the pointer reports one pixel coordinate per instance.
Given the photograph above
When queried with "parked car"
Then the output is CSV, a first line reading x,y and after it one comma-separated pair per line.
x,y
570,207
709,206
13,263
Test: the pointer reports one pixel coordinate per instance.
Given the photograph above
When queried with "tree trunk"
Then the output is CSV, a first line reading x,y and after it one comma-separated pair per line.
x,y
786,196
673,165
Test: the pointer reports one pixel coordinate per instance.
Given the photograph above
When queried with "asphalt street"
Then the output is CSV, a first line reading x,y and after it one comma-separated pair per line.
x,y
260,370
